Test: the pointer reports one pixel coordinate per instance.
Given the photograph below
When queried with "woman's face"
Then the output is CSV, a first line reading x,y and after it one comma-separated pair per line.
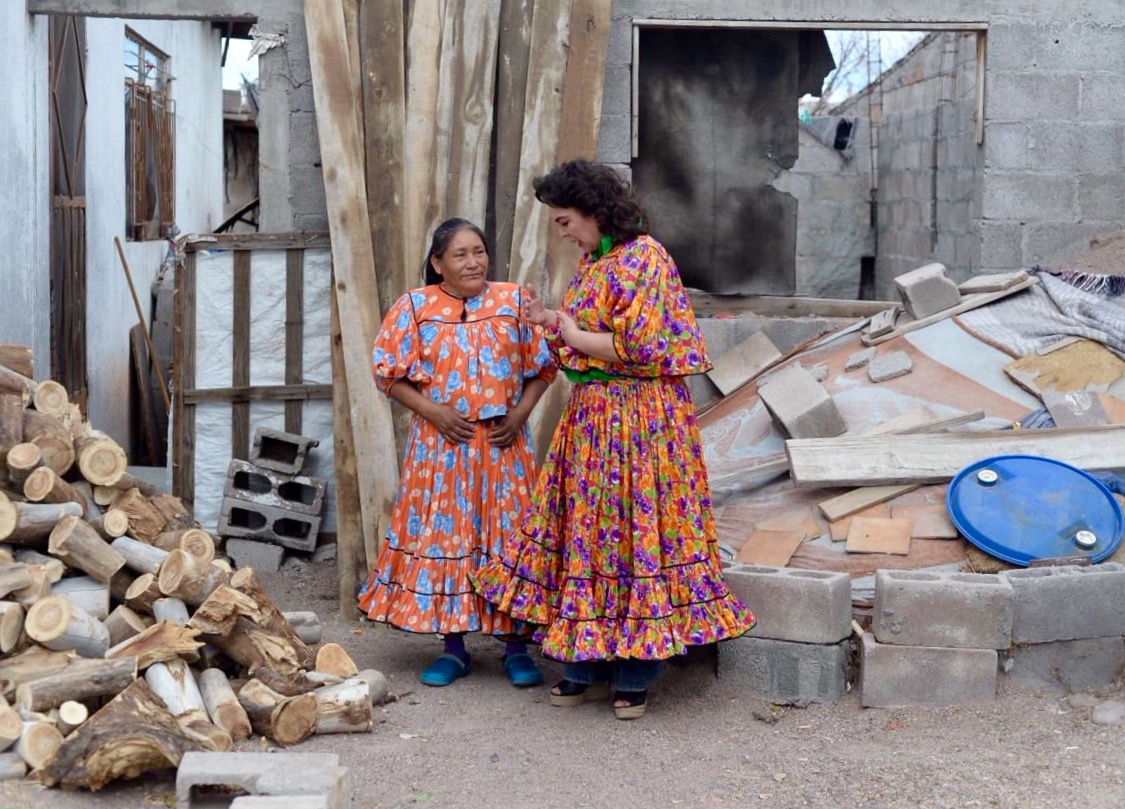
x,y
463,266
576,227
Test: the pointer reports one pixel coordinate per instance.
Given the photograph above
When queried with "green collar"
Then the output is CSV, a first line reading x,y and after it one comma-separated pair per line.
x,y
604,246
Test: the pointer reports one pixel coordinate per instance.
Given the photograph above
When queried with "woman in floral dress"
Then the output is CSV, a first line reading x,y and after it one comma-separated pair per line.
x,y
462,356
617,559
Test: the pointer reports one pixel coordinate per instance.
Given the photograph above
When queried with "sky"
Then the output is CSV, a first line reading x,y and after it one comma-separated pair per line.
x,y
237,64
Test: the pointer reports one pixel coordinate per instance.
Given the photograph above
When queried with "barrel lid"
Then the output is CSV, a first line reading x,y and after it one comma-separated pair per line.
x,y
1020,508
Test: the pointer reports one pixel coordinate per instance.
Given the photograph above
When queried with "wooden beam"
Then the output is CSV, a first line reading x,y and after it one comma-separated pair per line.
x,y
353,261
423,59
259,393
183,364
256,241
383,72
936,458
294,335
240,357
217,10
706,305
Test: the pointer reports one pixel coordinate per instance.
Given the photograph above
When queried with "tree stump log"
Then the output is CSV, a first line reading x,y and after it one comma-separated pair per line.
x,y
174,683
127,482
189,578
246,582
39,588
86,593
51,398
45,486
100,459
14,576
139,556
11,727
30,524
78,680
16,384
11,767
11,424
55,623
176,515
30,664
11,626
38,743
222,705
344,708
52,438
22,459
123,623
163,641
331,658
284,720
104,496
79,545
54,567
306,624
18,358
171,609
142,592
111,525
145,522
377,685
71,715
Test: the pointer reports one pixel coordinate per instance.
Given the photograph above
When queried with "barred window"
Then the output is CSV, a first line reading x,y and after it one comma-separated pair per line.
x,y
150,142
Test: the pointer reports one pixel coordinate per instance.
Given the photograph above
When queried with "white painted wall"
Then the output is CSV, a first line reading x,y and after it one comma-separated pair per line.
x,y
24,183
195,51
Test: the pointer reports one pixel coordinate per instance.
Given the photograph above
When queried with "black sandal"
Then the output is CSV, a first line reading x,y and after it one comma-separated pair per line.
x,y
572,693
635,708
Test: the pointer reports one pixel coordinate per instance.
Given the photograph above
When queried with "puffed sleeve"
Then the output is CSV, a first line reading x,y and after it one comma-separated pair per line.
x,y
638,289
395,354
538,359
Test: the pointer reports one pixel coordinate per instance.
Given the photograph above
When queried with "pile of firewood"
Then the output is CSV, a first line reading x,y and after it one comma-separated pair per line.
x,y
124,640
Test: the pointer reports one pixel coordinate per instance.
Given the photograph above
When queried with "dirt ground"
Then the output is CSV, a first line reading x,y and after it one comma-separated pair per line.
x,y
481,743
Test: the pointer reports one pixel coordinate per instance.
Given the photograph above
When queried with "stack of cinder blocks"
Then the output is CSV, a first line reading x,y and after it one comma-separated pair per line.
x,y
268,504
798,652
942,638
265,781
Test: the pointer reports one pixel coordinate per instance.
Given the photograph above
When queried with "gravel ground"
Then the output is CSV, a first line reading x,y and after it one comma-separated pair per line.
x,y
481,743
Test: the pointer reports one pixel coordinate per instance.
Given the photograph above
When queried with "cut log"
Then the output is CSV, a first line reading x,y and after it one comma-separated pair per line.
x,y
246,582
80,680
331,658
171,540
344,708
11,424
38,743
79,545
176,514
123,623
142,592
111,525
11,625
51,398
105,495
120,583
86,593
14,576
219,611
45,486
174,683
200,545
139,556
100,459
224,563
22,460
131,735
127,482
12,766
189,578
9,517
39,588
52,438
170,609
30,664
11,727
284,720
71,715
6,551
18,358
17,384
145,522
54,622
163,641
54,567
289,685
222,705
34,521
306,624
73,421
376,683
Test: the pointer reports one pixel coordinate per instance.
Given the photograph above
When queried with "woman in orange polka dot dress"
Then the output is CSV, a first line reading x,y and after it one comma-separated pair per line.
x,y
462,356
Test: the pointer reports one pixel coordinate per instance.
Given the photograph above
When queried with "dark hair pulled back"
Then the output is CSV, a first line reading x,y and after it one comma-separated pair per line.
x,y
443,235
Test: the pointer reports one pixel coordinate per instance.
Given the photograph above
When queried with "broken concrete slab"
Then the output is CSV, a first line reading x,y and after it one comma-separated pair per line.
x,y
860,359
1068,665
264,774
255,554
904,676
882,323
958,610
993,282
802,407
743,362
927,291
889,366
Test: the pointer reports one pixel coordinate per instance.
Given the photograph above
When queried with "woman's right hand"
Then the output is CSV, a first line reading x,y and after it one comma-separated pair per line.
x,y
451,424
534,310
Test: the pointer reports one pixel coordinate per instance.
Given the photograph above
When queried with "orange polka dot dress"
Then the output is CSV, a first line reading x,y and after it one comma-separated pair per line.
x,y
617,556
457,503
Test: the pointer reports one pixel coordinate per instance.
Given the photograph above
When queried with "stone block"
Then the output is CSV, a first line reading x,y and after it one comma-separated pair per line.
x,y
239,518
801,405
860,359
784,672
256,484
889,366
903,676
1101,97
960,610
1020,96
1067,603
617,93
251,553
264,774
1030,197
926,291
281,451
802,606
1067,665
994,282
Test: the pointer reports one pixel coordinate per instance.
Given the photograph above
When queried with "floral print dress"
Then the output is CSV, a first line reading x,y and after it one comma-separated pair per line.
x,y
457,502
617,556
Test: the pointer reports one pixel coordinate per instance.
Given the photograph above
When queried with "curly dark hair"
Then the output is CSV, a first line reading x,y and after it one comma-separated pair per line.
x,y
443,235
597,190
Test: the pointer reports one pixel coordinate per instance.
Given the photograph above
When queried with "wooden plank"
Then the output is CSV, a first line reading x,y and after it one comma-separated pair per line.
x,y
511,90
981,83
857,500
183,452
879,535
773,548
294,334
707,305
423,59
351,556
743,362
838,529
926,522
256,241
138,351
356,285
216,10
771,465
581,118
968,303
383,58
259,393
240,356
902,459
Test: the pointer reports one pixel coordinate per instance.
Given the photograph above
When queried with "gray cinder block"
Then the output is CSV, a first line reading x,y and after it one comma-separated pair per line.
x,y
1068,665
901,676
962,610
802,407
784,672
1067,603
927,291
802,606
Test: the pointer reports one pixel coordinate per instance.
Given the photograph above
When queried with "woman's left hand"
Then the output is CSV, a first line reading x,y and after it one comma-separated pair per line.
x,y
568,327
507,428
